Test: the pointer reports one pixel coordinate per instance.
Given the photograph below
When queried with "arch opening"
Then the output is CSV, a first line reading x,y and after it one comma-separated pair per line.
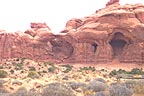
x,y
118,43
94,47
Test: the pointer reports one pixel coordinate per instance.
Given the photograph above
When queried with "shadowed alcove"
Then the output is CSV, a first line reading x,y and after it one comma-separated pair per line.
x,y
118,42
94,47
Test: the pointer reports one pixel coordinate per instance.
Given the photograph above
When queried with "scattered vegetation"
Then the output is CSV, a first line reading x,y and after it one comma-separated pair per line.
x,y
48,63
119,90
52,68
137,71
68,68
32,68
57,89
97,86
11,71
100,80
32,74
134,71
102,93
18,66
1,67
23,92
87,68
3,74
136,85
84,80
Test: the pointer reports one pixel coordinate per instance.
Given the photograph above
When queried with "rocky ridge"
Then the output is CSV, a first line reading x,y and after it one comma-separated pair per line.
x,y
113,32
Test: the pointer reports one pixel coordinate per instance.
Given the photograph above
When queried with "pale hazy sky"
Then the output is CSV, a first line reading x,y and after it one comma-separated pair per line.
x,y
17,14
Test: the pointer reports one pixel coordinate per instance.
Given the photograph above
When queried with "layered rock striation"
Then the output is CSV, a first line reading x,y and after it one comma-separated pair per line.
x,y
113,32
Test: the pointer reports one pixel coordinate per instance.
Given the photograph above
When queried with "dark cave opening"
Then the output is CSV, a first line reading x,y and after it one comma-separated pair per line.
x,y
118,43
94,47
118,46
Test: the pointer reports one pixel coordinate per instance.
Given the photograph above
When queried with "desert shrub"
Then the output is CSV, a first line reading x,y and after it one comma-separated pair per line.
x,y
11,71
87,68
102,93
137,71
76,85
22,59
20,92
24,92
103,70
18,66
3,91
68,68
89,93
113,73
1,83
116,72
51,69
44,71
119,90
5,94
3,74
1,67
32,74
136,85
48,63
32,68
100,80
122,71
97,86
57,89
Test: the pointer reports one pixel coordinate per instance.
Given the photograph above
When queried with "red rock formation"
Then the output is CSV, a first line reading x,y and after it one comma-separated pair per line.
x,y
112,32
112,2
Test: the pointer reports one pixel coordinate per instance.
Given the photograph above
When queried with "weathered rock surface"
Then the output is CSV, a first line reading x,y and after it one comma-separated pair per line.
x,y
113,32
112,2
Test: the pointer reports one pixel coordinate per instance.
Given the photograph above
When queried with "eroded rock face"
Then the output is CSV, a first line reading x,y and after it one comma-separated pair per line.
x,y
112,2
112,32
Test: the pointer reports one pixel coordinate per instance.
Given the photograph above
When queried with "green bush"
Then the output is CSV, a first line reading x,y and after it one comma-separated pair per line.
x,y
68,68
3,74
51,69
32,74
44,71
57,89
11,71
48,63
32,69
115,72
87,68
137,71
18,66
119,90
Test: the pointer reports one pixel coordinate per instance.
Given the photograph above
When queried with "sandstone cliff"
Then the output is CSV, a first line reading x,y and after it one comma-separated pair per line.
x,y
115,31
